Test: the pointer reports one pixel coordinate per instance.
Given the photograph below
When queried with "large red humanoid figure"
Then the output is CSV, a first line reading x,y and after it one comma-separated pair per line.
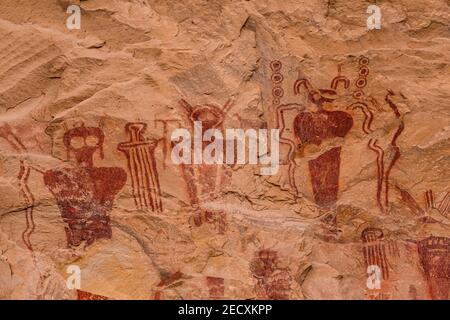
x,y
85,193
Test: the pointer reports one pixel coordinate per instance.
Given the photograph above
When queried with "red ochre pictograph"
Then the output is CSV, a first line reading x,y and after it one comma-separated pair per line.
x,y
142,167
374,250
216,287
84,295
273,282
7,133
434,255
204,181
85,193
314,128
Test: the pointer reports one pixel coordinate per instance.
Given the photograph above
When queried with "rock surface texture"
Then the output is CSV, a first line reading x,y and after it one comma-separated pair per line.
x,y
360,205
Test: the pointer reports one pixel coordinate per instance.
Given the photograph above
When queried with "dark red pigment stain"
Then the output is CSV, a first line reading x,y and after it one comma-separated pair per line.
x,y
274,281
313,128
85,193
434,255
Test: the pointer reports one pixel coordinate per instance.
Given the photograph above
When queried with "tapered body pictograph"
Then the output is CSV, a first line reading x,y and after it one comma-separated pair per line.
x,y
85,193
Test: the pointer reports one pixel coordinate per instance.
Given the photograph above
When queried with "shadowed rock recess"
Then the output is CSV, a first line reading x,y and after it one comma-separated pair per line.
x,y
92,205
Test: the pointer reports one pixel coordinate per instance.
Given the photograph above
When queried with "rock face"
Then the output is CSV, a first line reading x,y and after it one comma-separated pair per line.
x,y
93,205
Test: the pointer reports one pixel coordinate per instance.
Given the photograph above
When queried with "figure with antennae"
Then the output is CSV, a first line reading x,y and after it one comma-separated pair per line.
x,y
322,127
314,128
84,193
204,180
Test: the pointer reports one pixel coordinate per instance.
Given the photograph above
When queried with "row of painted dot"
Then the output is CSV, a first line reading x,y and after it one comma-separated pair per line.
x,y
361,83
277,80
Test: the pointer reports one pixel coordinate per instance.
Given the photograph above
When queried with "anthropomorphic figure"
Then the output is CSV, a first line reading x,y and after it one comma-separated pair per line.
x,y
85,193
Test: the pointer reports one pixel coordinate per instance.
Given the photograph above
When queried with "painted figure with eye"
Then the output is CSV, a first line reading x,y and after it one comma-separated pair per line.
x,y
204,181
85,193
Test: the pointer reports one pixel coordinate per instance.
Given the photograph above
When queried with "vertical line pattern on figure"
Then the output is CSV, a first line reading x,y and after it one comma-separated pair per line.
x,y
393,248
434,253
429,199
142,166
374,250
139,178
444,205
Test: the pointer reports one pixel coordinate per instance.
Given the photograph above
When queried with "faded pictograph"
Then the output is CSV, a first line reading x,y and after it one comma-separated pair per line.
x,y
204,181
168,282
376,262
273,281
443,207
216,287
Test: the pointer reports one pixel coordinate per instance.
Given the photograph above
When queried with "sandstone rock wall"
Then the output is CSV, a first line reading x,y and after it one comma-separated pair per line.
x,y
87,180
